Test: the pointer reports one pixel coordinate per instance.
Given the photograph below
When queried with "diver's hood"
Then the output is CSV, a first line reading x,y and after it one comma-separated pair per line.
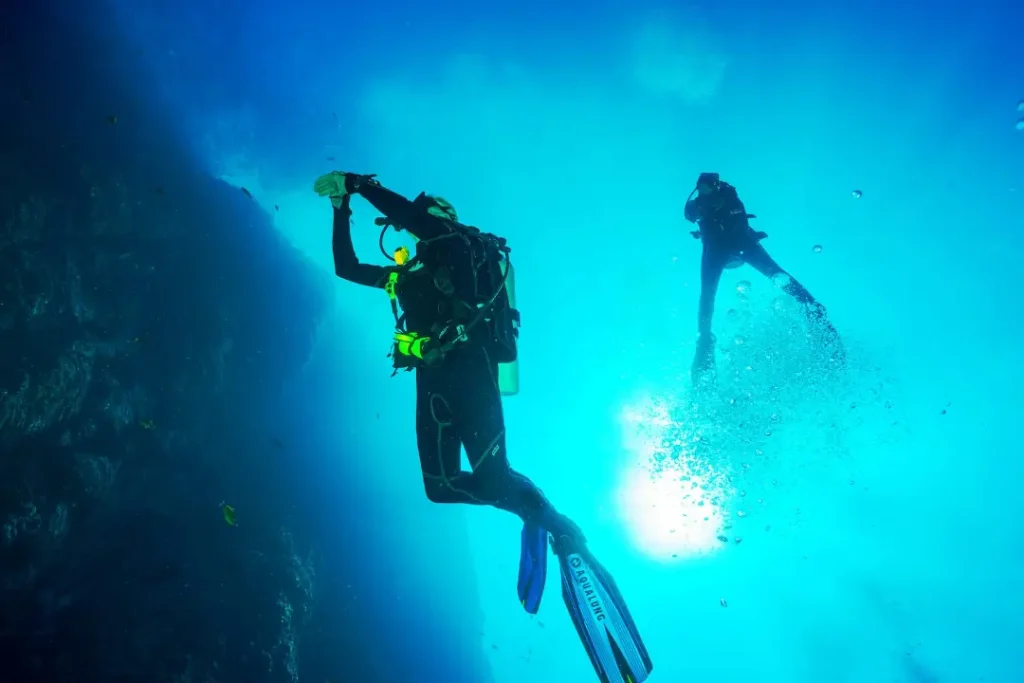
x,y
436,206
708,179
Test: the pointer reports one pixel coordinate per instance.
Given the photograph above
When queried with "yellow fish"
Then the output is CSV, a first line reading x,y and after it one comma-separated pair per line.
x,y
229,513
147,424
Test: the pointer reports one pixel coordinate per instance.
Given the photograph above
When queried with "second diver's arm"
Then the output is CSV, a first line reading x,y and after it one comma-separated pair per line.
x,y
403,212
346,265
739,211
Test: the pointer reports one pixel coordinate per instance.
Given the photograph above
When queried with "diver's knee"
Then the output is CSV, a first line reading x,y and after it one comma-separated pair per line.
x,y
436,490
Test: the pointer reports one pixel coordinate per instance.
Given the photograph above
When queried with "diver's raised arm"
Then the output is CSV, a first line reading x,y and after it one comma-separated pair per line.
x,y
407,214
346,264
401,211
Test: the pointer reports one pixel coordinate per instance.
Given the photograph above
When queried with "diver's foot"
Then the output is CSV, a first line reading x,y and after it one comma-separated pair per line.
x,y
831,342
702,372
834,344
561,527
826,333
704,376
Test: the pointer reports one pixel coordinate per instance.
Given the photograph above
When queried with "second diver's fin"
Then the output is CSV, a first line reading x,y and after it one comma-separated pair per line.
x,y
533,567
702,372
601,617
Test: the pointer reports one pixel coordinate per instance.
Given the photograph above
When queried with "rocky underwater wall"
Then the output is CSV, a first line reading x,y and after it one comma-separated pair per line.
x,y
149,315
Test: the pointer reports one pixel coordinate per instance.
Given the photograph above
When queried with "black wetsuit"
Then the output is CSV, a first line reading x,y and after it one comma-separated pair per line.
x,y
458,401
727,237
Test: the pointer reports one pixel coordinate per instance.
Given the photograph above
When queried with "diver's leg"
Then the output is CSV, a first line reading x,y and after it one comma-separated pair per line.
x,y
712,263
480,422
757,256
437,440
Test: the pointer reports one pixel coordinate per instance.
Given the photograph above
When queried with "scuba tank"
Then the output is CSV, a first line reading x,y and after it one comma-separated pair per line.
x,y
508,372
497,305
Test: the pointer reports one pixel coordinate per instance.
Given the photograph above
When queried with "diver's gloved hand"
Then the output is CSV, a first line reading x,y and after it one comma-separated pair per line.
x,y
333,185
338,184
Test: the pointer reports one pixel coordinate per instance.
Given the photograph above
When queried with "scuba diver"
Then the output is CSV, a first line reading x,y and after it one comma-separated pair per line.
x,y
456,327
729,241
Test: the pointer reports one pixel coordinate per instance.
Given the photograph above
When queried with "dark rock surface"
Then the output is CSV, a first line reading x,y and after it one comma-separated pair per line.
x,y
149,315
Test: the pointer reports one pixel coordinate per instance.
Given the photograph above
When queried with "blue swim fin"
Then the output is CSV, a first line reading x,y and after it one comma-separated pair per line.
x,y
533,567
601,617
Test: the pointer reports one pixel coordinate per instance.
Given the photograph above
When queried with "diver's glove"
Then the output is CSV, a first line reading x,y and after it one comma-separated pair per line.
x,y
332,185
339,184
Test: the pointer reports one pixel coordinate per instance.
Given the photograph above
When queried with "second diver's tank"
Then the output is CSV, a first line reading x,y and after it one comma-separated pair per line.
x,y
508,373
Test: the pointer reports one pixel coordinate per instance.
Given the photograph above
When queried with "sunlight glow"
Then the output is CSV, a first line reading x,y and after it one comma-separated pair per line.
x,y
671,500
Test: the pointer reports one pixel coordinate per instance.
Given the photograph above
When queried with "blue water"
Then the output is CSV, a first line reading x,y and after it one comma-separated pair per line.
x,y
871,519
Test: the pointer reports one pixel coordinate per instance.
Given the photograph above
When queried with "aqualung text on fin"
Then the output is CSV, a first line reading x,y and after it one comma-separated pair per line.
x,y
601,618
